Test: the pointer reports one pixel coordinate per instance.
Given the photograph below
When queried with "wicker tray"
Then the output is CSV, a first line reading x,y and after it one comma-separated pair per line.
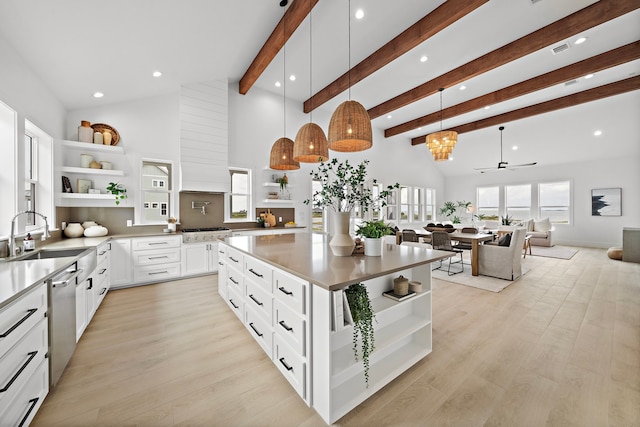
x,y
101,127
445,229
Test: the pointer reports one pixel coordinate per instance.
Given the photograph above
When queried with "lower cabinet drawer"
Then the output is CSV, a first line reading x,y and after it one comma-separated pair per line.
x,y
20,316
292,366
28,400
290,290
156,273
259,299
259,329
156,257
290,327
236,303
19,363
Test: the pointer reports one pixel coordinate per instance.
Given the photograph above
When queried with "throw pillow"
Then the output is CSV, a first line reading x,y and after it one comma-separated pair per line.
x,y
505,240
542,225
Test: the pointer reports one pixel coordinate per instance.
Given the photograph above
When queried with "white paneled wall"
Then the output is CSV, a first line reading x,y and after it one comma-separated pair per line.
x,y
203,136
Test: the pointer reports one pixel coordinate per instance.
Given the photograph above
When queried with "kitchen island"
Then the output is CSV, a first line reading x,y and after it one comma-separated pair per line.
x,y
283,288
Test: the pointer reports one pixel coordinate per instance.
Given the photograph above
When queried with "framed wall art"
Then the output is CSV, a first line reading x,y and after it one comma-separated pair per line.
x,y
606,202
66,185
84,185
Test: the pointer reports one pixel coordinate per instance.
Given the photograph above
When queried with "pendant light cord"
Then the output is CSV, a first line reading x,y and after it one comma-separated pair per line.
x,y
284,73
349,41
310,62
441,90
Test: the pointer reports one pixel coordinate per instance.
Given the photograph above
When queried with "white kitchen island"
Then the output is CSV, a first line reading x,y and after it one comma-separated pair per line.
x,y
281,288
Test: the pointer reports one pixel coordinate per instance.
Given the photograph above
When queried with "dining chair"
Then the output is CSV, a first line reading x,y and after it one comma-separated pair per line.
x,y
441,240
466,245
409,236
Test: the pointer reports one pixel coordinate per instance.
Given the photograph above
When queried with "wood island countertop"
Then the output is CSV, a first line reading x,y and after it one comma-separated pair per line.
x,y
308,256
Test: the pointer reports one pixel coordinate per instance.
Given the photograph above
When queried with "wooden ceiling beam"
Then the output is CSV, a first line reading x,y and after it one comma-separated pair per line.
x,y
429,25
594,94
612,58
294,16
589,17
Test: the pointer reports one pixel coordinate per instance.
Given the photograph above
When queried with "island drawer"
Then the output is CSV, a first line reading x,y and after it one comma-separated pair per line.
x,y
258,298
235,258
23,408
20,316
259,271
235,302
290,327
290,290
259,329
235,280
102,253
292,366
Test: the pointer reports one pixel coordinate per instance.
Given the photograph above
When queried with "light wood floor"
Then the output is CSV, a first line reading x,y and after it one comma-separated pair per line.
x,y
559,347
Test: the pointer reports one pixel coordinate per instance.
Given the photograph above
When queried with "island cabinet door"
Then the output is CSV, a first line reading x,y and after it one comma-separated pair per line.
x,y
291,365
260,330
291,291
259,272
259,299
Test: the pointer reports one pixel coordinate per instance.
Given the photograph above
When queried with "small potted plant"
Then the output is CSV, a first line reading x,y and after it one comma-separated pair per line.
x,y
117,190
363,315
506,220
373,232
171,221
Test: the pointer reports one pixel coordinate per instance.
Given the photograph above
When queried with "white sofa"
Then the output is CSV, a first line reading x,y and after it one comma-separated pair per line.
x,y
503,262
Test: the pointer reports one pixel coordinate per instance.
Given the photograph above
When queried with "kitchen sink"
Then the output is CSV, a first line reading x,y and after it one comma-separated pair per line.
x,y
45,254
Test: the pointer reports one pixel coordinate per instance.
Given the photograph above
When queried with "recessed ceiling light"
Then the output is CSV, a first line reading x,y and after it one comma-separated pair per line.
x,y
388,116
278,84
424,58
515,147
588,76
359,14
419,128
292,77
451,159
156,74
580,40
98,95
487,107
597,133
463,87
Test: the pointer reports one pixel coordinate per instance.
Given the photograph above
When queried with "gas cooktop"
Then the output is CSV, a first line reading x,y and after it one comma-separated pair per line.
x,y
194,230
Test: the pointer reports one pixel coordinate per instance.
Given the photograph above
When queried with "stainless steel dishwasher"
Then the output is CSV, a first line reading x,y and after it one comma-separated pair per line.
x,y
62,312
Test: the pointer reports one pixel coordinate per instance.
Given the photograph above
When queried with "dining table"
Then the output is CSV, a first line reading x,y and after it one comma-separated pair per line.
x,y
474,238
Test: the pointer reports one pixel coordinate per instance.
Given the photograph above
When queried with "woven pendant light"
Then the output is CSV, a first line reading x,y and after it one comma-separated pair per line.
x,y
350,125
281,157
441,143
310,145
350,128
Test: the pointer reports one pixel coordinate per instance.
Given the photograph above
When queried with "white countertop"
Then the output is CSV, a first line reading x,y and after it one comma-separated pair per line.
x,y
308,256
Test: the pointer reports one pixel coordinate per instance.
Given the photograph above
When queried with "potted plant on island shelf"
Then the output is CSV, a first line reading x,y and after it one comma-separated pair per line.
x,y
373,232
344,187
117,190
363,315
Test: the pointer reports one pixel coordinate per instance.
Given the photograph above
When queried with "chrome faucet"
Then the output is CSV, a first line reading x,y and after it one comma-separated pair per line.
x,y
12,243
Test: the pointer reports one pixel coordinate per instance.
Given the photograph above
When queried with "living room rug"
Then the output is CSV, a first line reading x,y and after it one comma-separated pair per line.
x,y
465,278
562,252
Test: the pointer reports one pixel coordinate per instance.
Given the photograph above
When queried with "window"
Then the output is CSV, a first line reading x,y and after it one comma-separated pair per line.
x,y
555,201
317,214
429,204
417,204
156,191
30,177
518,201
405,204
239,206
38,177
489,203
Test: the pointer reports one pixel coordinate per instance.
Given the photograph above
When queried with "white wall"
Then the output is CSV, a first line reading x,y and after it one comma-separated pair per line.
x,y
256,121
585,230
149,129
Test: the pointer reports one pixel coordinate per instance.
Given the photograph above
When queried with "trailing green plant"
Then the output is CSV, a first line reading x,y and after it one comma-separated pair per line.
x,y
506,220
344,187
363,315
373,229
117,190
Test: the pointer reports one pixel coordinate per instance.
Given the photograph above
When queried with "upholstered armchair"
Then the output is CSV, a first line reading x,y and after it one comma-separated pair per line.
x,y
503,262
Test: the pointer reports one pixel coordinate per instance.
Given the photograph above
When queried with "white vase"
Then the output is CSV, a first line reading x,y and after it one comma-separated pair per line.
x,y
74,229
342,243
373,246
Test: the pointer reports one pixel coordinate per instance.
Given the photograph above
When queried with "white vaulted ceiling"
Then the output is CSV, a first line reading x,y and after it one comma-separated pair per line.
x,y
79,47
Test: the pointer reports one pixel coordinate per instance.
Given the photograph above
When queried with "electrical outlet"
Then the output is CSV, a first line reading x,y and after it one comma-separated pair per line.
x,y
129,223
279,219
64,225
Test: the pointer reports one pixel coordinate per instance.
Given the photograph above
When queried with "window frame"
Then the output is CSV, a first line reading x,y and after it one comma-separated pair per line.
x,y
528,207
569,207
481,207
168,189
228,199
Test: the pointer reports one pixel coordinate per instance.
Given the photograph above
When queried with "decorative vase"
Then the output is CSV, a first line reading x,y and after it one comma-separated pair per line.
x,y
342,243
85,132
171,226
74,229
373,246
106,137
85,160
98,138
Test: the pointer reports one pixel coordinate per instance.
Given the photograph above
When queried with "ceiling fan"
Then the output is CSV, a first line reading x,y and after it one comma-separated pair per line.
x,y
502,165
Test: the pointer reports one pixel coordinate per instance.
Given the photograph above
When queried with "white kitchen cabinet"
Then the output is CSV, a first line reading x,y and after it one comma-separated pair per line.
x,y
121,273
24,370
222,271
101,275
199,258
155,258
84,305
91,292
